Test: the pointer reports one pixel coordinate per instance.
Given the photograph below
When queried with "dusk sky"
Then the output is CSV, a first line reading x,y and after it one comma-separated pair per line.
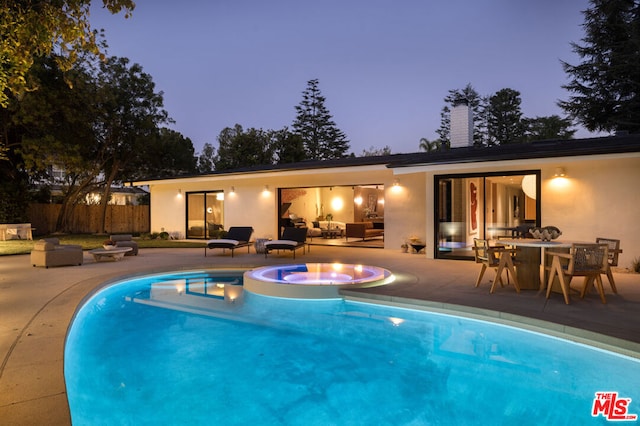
x,y
383,66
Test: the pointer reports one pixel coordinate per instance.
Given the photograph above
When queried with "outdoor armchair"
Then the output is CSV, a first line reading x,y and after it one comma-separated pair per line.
x,y
613,252
498,257
583,260
126,240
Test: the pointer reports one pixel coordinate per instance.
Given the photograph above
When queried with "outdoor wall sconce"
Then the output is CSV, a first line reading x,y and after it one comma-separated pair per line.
x,y
560,172
266,188
179,193
232,190
396,188
358,200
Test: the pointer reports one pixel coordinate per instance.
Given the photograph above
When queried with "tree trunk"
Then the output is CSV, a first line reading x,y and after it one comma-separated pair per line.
x,y
105,196
68,203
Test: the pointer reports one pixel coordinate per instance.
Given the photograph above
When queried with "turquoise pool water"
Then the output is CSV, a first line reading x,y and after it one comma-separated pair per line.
x,y
193,349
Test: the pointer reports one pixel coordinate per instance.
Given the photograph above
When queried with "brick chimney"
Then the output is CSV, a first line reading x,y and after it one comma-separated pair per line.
x,y
461,122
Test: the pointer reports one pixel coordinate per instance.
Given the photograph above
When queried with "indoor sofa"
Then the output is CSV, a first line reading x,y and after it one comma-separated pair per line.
x,y
363,230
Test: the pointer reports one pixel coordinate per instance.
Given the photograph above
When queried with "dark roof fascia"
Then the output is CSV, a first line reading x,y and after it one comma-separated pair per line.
x,y
523,151
520,151
382,160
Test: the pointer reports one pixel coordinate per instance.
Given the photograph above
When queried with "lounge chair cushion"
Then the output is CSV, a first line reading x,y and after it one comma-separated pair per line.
x,y
223,241
282,243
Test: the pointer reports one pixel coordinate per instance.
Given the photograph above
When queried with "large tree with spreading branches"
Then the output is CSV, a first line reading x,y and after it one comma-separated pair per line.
x,y
32,29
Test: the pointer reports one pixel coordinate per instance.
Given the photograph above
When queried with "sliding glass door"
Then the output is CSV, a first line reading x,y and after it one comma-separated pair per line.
x,y
205,214
484,206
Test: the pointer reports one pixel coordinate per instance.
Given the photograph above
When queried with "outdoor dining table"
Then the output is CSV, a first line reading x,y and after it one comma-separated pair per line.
x,y
530,259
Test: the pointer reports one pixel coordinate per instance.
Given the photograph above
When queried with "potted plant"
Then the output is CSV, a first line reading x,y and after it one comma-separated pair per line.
x,y
108,244
329,217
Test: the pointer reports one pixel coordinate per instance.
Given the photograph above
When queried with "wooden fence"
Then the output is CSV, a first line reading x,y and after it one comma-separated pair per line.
x,y
85,219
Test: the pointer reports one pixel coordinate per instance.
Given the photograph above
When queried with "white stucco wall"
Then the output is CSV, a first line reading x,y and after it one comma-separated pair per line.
x,y
406,210
598,198
249,205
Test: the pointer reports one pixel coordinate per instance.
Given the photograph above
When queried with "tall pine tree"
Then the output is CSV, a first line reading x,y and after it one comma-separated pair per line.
x,y
322,138
605,87
504,118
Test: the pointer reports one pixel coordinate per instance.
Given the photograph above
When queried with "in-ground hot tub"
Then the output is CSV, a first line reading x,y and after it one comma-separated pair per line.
x,y
313,280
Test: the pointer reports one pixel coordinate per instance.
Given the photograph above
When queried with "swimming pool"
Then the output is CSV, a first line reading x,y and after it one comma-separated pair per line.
x,y
194,348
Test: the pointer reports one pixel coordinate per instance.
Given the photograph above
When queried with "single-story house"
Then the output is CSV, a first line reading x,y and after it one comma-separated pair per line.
x,y
587,188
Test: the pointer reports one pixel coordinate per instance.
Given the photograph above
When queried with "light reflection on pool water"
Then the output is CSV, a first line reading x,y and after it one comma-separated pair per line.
x,y
193,348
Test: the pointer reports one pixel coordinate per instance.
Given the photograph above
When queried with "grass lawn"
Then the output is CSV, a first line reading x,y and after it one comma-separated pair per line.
x,y
88,242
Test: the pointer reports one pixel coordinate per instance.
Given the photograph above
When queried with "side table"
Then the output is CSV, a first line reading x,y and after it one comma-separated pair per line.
x,y
259,245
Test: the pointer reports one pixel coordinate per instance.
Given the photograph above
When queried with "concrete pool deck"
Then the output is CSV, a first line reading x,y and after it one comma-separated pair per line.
x,y
37,304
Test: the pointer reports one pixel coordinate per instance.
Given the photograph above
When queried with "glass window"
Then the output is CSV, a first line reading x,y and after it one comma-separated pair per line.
x,y
482,206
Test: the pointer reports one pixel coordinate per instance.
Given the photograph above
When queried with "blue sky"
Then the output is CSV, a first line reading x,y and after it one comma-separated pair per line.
x,y
384,66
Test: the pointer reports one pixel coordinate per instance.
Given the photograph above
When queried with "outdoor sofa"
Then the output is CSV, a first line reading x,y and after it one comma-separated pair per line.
x,y
49,252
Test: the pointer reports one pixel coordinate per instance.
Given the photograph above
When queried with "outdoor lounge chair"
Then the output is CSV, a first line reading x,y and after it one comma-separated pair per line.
x,y
292,239
238,236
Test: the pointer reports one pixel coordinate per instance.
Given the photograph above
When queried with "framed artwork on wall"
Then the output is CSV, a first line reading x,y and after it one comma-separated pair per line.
x,y
473,207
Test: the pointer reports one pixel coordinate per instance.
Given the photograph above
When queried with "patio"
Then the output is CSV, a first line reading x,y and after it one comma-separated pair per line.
x,y
37,304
